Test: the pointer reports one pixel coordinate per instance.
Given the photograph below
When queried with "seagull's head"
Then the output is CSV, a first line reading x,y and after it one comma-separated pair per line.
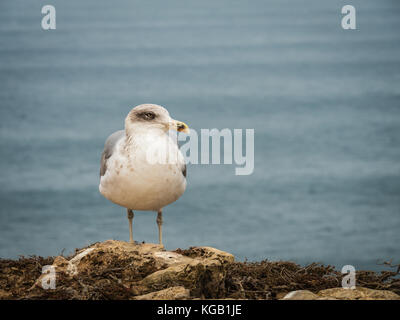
x,y
152,117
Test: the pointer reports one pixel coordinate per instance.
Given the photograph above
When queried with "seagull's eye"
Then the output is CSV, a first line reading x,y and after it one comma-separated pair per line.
x,y
148,115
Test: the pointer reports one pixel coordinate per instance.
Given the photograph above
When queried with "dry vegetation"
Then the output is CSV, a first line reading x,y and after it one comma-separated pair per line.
x,y
117,279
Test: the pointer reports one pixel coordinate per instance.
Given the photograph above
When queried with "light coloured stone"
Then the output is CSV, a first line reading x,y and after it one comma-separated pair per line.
x,y
359,293
173,293
191,269
182,273
112,249
209,254
60,262
171,258
72,268
300,295
201,270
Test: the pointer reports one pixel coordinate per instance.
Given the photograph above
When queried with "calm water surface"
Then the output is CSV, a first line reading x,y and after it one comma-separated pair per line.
x,y
324,103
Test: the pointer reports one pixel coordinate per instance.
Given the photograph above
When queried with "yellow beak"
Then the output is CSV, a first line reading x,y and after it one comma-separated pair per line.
x,y
179,126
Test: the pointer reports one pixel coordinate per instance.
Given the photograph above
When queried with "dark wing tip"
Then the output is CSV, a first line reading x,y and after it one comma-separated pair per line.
x,y
184,170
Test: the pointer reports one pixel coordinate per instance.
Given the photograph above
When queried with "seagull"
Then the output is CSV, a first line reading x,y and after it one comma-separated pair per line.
x,y
142,167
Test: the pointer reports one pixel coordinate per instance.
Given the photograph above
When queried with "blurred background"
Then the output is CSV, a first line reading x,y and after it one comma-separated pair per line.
x,y
324,103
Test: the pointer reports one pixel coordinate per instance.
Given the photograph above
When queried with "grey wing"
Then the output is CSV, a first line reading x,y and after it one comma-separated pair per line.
x,y
109,147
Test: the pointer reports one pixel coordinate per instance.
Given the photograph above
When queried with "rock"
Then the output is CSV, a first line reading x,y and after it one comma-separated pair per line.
x,y
300,295
185,273
359,293
105,254
108,256
173,293
171,258
210,254
201,270
145,270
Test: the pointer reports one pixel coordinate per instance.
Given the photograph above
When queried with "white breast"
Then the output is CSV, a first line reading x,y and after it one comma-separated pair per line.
x,y
136,180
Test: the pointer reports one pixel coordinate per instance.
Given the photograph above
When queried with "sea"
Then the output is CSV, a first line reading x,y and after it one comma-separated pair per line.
x,y
324,103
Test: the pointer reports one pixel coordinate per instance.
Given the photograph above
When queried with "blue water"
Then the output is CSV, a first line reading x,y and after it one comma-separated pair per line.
x,y
324,103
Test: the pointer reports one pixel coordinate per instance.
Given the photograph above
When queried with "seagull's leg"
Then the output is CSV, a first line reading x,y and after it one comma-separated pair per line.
x,y
130,218
159,223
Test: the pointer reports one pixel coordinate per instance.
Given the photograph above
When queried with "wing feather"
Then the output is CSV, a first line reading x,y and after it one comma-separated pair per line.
x,y
109,147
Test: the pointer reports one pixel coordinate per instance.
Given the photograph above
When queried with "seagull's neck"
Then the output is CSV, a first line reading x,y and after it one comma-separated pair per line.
x,y
133,136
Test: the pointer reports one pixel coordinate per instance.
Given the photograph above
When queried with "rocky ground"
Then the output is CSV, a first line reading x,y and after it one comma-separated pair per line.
x,y
119,270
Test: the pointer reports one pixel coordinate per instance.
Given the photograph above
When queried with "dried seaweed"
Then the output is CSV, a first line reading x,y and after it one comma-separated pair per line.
x,y
118,278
